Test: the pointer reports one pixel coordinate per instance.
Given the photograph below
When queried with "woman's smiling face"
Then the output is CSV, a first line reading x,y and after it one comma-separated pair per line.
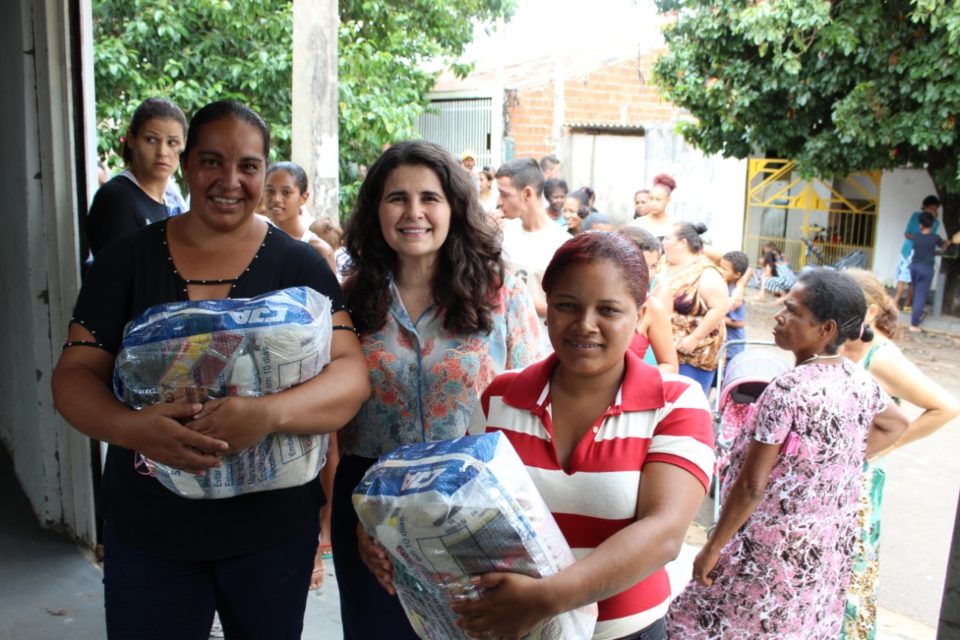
x,y
282,196
225,172
414,212
591,317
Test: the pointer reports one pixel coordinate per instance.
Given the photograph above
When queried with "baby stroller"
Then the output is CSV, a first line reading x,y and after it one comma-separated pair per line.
x,y
742,382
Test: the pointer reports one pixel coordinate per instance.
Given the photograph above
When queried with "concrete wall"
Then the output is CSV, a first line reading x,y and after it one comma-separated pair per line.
x,y
612,94
611,165
901,192
39,277
314,126
710,189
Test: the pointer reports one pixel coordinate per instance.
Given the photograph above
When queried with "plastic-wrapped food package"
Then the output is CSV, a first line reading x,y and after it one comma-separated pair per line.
x,y
200,350
446,511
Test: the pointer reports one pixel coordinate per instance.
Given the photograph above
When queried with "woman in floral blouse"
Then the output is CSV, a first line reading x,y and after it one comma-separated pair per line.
x,y
438,317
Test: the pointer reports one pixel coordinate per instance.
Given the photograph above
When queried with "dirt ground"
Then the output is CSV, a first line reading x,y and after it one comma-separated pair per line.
x,y
923,481
937,354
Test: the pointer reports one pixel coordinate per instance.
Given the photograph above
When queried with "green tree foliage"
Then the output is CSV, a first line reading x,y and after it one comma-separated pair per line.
x,y
391,52
192,52
836,86
196,51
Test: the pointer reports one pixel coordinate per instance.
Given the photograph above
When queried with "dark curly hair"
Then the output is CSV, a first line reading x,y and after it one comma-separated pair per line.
x,y
470,269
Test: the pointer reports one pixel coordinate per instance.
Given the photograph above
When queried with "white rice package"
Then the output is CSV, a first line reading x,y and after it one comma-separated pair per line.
x,y
446,511
200,350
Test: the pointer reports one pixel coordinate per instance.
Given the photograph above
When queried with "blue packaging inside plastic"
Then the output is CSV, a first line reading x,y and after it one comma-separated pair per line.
x,y
447,511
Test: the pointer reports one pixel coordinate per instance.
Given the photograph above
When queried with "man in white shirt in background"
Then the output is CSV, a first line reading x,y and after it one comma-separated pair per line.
x,y
530,236
551,167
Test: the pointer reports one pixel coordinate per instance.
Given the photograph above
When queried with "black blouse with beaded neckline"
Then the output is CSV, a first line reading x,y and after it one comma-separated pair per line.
x,y
125,279
219,281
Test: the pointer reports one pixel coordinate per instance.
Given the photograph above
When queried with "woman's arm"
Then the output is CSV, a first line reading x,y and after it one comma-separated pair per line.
x,y
713,292
888,425
523,326
514,603
322,404
660,334
902,379
82,394
744,496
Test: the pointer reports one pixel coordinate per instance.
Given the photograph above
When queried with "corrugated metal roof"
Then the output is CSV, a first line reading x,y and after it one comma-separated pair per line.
x,y
606,127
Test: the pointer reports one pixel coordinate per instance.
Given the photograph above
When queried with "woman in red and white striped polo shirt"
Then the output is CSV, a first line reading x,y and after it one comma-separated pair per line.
x,y
621,452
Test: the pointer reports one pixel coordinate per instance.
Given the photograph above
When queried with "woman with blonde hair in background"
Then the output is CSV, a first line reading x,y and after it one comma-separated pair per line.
x,y
903,381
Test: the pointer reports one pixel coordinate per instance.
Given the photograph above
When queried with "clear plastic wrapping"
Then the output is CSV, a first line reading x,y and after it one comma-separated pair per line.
x,y
446,511
198,351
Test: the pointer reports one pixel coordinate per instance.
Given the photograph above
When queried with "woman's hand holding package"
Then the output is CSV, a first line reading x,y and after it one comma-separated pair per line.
x,y
375,557
240,422
510,606
158,434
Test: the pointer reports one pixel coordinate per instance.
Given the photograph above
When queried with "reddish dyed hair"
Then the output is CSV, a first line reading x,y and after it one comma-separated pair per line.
x,y
665,181
601,245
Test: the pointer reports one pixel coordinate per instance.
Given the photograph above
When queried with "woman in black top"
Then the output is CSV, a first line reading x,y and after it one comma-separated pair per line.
x,y
169,561
135,197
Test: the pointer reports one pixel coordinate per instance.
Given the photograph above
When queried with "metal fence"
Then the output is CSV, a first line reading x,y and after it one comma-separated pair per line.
x,y
813,222
459,125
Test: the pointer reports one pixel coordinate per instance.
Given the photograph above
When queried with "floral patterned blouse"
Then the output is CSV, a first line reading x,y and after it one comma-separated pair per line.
x,y
425,380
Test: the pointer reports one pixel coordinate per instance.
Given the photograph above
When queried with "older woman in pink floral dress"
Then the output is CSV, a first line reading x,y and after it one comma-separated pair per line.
x,y
778,562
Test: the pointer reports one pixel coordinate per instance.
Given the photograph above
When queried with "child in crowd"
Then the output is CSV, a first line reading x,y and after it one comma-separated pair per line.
x,y
734,264
330,230
925,245
776,275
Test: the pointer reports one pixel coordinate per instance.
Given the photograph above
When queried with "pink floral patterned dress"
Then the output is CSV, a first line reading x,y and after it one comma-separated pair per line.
x,y
784,575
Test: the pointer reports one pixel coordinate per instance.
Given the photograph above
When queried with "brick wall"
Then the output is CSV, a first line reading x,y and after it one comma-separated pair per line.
x,y
531,121
610,94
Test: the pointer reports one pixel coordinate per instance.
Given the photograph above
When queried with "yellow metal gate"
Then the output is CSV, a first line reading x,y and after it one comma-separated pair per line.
x,y
811,221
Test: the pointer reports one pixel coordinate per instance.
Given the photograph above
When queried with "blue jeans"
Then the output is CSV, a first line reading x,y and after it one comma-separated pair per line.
x,y
703,377
656,631
260,595
366,609
922,277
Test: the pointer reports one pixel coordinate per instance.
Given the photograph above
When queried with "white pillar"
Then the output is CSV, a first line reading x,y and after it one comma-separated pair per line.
x,y
314,144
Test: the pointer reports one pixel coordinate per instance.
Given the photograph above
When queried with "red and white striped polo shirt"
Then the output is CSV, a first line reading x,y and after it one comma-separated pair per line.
x,y
655,418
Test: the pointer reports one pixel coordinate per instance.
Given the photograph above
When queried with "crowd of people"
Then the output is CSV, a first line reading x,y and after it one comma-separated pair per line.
x,y
471,300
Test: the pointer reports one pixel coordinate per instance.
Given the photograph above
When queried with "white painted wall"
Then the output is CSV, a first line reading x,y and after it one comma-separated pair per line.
x,y
901,192
710,189
38,281
611,165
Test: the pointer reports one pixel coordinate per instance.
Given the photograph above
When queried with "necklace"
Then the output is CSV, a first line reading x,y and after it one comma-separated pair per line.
x,y
818,356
